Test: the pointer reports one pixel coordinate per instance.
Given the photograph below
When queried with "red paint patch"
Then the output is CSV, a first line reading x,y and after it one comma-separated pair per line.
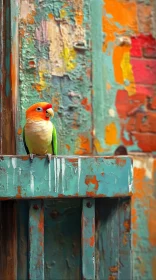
x,y
86,105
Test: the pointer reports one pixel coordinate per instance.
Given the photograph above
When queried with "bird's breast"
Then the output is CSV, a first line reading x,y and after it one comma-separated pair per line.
x,y
38,137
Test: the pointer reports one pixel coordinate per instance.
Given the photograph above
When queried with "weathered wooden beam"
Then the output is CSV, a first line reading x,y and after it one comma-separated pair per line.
x,y
65,177
36,240
88,239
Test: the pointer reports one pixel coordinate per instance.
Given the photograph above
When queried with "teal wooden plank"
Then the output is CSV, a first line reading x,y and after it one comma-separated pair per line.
x,y
36,240
88,239
62,239
113,239
65,177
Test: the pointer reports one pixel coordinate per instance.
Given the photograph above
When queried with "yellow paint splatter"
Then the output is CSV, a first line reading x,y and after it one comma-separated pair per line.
x,y
98,146
63,13
111,134
69,56
128,73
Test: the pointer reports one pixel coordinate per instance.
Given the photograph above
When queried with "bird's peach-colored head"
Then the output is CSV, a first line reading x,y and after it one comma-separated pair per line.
x,y
40,111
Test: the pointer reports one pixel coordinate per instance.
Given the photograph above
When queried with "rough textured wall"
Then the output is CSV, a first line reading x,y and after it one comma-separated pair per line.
x,y
121,107
124,75
55,66
143,210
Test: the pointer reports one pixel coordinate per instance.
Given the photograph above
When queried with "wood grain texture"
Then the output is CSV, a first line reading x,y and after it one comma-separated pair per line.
x,y
36,240
8,236
22,240
65,177
62,239
113,239
88,239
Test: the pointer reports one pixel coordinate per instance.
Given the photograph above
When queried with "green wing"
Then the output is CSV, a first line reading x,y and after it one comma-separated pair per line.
x,y
25,146
54,141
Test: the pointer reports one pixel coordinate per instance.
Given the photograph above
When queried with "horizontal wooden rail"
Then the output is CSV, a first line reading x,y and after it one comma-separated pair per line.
x,y
65,177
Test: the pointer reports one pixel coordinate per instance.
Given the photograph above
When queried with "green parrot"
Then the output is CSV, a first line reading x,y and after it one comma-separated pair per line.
x,y
39,133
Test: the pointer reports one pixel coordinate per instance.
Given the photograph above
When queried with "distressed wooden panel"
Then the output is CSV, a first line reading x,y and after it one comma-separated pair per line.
x,y
8,234
88,239
113,239
63,239
22,240
65,177
36,240
7,121
56,67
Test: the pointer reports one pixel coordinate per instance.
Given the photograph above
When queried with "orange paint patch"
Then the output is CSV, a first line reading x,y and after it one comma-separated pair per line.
x,y
91,180
98,146
86,105
117,59
127,225
18,195
90,194
19,131
152,221
41,223
125,14
92,241
79,18
67,147
111,134
83,145
50,16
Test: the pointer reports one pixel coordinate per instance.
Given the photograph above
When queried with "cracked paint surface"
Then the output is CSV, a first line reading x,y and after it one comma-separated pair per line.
x,y
124,86
55,66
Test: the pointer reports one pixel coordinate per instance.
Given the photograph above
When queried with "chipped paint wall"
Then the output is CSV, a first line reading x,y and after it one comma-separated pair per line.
x,y
96,62
55,66
124,76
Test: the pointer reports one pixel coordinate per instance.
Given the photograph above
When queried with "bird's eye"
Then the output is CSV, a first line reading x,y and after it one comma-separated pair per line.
x,y
39,109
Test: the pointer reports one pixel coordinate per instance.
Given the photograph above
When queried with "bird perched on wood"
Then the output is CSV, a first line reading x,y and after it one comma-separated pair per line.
x,y
39,133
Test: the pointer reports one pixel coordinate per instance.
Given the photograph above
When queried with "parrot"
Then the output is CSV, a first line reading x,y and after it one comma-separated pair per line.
x,y
39,133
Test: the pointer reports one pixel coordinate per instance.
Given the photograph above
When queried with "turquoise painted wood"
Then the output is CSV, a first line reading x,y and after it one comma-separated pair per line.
x,y
113,239
88,239
65,177
62,235
36,240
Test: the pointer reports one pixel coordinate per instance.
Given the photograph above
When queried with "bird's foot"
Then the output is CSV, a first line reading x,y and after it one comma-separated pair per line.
x,y
31,157
49,157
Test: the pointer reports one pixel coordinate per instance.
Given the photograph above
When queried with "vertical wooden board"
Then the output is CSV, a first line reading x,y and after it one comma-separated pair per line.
x,y
63,239
55,66
7,122
125,260
8,257
88,239
113,239
36,240
22,240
